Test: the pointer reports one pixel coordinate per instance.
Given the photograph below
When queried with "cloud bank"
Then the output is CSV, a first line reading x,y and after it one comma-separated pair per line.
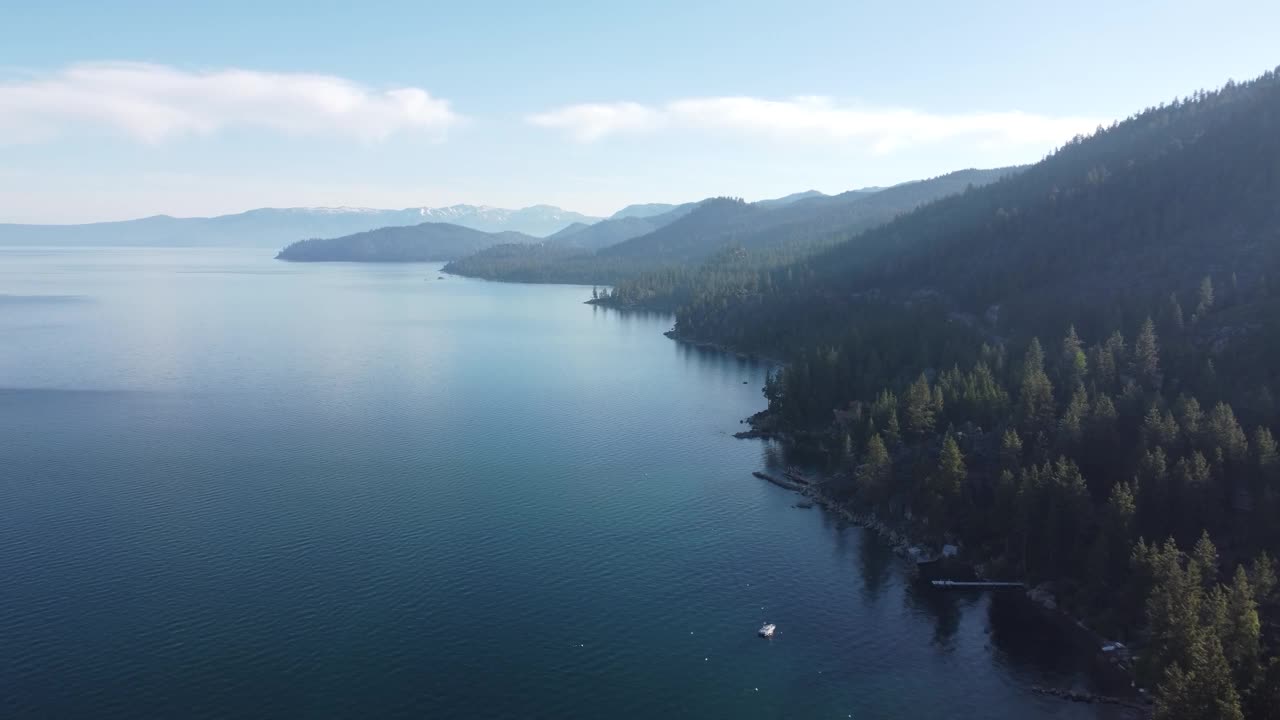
x,y
810,118
154,103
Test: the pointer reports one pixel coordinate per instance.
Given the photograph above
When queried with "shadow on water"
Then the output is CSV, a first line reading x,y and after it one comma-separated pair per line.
x,y
1026,639
629,313
749,367
875,560
944,608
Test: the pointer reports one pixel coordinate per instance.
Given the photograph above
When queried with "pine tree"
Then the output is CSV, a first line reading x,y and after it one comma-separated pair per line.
x,y
1074,363
951,469
1172,612
1190,417
1110,358
873,476
1159,429
1213,610
1175,312
1103,366
1146,356
1202,691
920,406
1120,511
1204,298
1011,451
1204,561
892,431
1262,576
1071,426
1266,461
1102,418
1224,432
884,413
1154,493
1117,527
1036,397
1240,636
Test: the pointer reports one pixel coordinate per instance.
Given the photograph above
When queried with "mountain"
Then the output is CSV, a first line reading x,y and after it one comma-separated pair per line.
x,y
537,220
653,209
788,199
425,242
773,237
706,226
808,219
273,227
1099,234
616,229
698,231
567,231
643,210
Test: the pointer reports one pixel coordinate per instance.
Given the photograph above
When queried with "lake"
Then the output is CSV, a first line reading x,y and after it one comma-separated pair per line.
x,y
235,487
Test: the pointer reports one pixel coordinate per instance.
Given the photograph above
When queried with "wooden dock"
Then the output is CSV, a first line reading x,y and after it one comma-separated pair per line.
x,y
786,484
976,585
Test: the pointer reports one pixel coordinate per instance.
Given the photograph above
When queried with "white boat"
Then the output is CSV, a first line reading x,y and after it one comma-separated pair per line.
x,y
766,631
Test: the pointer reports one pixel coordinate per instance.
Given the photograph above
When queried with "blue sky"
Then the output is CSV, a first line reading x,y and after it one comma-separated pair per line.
x,y
125,109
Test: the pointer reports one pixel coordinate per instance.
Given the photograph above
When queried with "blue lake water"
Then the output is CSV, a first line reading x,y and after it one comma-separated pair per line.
x,y
233,487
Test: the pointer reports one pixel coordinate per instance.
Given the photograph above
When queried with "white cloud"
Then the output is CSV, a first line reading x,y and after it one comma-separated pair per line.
x,y
813,119
590,122
153,103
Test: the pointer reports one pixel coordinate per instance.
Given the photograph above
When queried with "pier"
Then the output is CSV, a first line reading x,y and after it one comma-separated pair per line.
x,y
976,585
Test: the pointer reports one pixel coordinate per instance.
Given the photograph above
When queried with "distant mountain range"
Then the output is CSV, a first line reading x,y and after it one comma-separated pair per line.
x,y
273,227
624,247
352,236
444,241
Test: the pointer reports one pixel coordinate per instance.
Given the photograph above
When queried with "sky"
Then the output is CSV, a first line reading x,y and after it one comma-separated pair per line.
x,y
126,109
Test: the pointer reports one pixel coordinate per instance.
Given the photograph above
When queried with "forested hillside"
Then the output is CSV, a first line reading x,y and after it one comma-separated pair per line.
x,y
415,243
771,231
789,234
1070,372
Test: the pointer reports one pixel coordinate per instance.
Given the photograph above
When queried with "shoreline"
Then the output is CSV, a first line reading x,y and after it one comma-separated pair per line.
x,y
718,347
1112,672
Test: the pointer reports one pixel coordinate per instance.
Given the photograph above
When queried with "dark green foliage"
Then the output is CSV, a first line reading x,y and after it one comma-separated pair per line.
x,y
951,472
920,410
874,476
1036,407
1098,235
1203,691
1242,631
1146,357
1055,466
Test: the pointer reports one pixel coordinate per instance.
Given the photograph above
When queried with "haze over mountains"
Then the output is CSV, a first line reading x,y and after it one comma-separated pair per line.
x,y
275,227
690,234
640,234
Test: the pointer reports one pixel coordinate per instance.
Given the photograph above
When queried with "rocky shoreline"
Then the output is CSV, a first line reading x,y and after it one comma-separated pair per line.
x,y
1111,658
718,347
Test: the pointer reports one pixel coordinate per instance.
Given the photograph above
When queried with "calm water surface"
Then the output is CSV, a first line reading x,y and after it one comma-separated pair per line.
x,y
232,487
